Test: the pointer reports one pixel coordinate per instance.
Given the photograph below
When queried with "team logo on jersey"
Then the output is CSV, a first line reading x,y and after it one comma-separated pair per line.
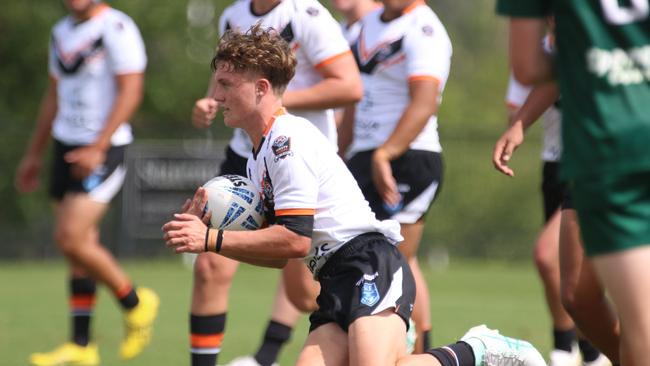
x,y
369,292
386,53
281,147
427,30
312,11
71,63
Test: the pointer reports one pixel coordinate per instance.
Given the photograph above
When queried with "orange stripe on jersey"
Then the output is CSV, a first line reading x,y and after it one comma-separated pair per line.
x,y
331,59
82,301
296,212
206,340
269,124
412,6
423,77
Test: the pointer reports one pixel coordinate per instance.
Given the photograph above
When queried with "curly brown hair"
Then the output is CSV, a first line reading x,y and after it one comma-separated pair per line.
x,y
260,51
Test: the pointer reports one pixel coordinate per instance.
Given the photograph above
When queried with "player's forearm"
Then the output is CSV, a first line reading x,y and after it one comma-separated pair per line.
x,y
128,98
328,93
272,243
46,114
540,99
411,123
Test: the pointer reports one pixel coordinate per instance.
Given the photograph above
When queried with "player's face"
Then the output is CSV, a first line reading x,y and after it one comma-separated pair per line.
x,y
235,93
343,5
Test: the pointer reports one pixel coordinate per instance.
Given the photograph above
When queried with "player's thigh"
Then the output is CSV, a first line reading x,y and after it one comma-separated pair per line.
x,y
214,268
77,215
326,345
625,275
300,286
377,339
412,234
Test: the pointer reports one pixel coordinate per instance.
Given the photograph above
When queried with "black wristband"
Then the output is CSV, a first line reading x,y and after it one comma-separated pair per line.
x,y
207,234
219,241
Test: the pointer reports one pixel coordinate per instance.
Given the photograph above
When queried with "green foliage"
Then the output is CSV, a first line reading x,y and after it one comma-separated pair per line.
x,y
34,301
479,213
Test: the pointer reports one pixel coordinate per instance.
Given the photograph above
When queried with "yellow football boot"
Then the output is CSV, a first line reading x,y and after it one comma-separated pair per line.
x,y
68,354
139,323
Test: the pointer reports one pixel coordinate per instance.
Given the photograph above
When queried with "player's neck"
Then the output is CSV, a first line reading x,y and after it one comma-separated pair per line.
x,y
359,11
262,7
390,14
91,11
262,120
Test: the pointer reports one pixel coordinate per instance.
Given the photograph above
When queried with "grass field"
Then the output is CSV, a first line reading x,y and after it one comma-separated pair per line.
x,y
33,308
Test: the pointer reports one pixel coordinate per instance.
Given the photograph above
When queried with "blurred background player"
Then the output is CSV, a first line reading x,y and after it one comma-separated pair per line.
x,y
326,77
353,11
96,67
404,54
566,347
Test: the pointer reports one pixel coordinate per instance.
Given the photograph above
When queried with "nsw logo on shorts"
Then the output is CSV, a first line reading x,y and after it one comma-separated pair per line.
x,y
369,292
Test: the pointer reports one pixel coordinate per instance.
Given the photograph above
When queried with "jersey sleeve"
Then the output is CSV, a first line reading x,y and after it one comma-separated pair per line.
x,y
321,36
125,47
524,8
428,53
295,184
517,93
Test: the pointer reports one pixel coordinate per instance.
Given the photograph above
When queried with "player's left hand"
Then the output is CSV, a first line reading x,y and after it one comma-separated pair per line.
x,y
506,146
197,206
185,234
85,160
382,177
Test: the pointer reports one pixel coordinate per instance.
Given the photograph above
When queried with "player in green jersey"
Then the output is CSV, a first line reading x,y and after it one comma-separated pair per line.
x,y
604,72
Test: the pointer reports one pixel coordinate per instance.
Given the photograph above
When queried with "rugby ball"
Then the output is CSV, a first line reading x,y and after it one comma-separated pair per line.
x,y
234,202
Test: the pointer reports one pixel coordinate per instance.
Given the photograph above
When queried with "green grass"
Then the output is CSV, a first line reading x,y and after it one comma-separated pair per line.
x,y
33,308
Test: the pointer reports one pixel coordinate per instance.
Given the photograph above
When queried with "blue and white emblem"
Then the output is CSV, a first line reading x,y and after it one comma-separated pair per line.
x,y
369,294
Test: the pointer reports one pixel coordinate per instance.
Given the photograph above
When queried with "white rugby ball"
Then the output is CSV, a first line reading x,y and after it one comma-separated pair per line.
x,y
234,202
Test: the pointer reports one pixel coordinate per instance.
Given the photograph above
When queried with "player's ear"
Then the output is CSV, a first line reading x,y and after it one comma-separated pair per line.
x,y
262,87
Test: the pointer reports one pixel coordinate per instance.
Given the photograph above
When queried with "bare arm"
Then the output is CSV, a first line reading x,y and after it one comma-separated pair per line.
x,y
341,86
30,165
423,104
530,64
129,95
540,99
269,247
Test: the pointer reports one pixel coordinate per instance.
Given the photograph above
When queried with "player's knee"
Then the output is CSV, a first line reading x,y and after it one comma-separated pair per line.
x,y
545,261
304,303
208,271
67,240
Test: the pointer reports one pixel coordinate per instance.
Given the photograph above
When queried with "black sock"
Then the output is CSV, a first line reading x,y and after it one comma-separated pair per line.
x,y
82,302
128,298
589,352
457,354
276,335
206,333
426,339
564,339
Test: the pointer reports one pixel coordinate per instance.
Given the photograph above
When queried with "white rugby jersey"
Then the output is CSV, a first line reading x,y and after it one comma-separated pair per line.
x,y
314,36
298,172
552,118
350,31
390,54
84,59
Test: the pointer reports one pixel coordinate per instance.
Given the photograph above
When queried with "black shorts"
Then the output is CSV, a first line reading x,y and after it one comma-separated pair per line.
x,y
365,277
553,189
419,177
102,185
567,200
233,164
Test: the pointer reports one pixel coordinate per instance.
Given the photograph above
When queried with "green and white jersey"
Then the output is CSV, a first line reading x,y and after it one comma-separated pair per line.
x,y
603,62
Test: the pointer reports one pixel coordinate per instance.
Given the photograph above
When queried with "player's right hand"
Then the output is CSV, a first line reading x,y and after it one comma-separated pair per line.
x,y
27,174
204,112
506,146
